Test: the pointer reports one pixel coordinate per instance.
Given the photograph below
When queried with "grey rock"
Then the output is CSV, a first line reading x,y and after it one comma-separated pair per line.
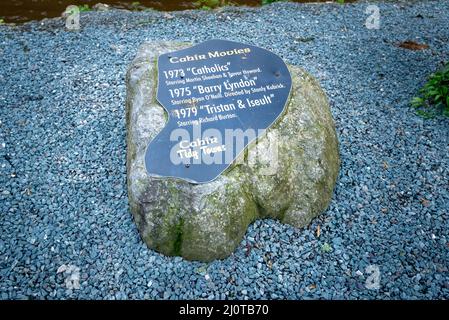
x,y
207,221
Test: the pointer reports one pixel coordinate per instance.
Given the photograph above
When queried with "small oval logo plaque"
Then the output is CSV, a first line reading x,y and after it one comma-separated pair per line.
x,y
220,96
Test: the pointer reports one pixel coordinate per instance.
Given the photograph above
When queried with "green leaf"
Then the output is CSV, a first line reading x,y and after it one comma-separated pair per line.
x,y
84,8
265,2
446,112
417,102
434,95
207,4
425,114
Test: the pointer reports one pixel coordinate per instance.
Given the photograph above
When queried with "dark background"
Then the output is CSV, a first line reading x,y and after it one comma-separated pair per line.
x,y
26,10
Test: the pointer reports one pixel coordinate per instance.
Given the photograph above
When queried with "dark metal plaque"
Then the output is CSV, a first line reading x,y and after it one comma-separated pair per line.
x,y
220,96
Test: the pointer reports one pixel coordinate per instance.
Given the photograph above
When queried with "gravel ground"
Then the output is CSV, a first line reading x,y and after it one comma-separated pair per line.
x,y
66,231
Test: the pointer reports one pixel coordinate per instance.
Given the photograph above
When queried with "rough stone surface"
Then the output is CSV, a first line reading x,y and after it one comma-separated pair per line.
x,y
207,221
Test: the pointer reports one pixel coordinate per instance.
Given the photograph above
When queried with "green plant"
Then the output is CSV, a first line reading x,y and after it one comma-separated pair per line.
x,y
326,247
84,8
208,4
434,95
264,2
135,5
341,1
2,21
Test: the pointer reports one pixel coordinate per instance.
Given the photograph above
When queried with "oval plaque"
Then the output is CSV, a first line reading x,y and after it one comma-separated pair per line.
x,y
220,96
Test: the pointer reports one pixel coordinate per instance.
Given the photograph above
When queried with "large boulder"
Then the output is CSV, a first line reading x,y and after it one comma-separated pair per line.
x,y
208,221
